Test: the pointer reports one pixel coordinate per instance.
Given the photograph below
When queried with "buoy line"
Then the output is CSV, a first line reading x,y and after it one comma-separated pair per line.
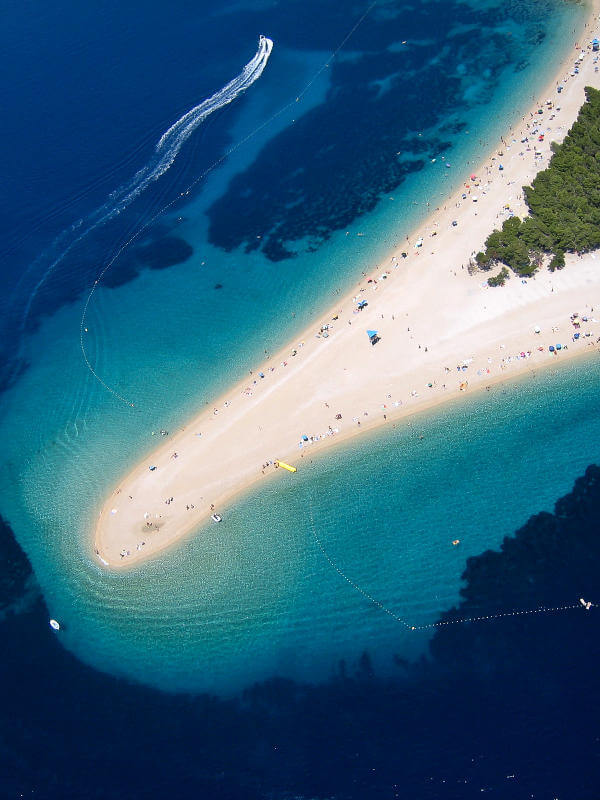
x,y
82,326
442,623
163,157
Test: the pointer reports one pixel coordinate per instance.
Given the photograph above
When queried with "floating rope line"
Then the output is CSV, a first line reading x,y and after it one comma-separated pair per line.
x,y
200,177
442,623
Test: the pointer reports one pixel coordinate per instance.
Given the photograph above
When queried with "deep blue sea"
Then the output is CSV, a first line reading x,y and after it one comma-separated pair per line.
x,y
177,199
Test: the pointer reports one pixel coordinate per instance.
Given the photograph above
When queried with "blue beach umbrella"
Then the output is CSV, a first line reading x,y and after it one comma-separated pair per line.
x,y
371,334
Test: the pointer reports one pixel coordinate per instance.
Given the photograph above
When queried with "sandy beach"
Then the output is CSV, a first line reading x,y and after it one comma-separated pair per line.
x,y
442,332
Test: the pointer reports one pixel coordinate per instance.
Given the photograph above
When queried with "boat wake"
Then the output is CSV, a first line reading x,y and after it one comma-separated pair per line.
x,y
171,141
165,153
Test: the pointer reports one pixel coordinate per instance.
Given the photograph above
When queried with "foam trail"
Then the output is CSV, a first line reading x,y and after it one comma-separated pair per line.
x,y
165,152
171,141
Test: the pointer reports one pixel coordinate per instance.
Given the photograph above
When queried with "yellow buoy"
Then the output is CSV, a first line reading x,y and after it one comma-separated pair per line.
x,y
285,466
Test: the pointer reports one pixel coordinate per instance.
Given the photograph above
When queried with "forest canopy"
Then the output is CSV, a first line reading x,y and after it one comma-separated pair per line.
x,y
563,202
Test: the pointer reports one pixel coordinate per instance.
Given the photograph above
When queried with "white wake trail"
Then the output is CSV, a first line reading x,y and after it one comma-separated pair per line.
x,y
251,72
166,151
171,141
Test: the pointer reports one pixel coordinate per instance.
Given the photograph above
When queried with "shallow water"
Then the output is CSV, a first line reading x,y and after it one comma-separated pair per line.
x,y
254,597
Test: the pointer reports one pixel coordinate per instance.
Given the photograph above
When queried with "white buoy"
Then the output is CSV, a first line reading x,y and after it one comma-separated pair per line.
x,y
54,625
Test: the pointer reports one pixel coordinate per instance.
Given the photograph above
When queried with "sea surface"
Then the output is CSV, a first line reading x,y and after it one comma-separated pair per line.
x,y
177,200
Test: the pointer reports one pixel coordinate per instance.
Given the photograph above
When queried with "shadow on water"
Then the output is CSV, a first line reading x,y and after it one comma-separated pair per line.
x,y
508,707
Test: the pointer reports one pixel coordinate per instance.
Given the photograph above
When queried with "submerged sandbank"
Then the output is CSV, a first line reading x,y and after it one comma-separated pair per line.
x,y
441,332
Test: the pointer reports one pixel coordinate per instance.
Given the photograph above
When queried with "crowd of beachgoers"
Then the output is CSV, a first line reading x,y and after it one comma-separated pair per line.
x,y
414,332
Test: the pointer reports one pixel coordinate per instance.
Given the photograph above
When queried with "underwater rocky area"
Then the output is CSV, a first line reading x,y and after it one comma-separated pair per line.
x,y
506,706
373,130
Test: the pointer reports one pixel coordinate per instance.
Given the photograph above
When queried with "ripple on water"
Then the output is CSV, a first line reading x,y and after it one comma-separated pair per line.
x,y
254,596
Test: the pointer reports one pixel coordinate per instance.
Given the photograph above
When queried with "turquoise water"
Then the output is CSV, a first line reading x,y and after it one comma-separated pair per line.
x,y
254,596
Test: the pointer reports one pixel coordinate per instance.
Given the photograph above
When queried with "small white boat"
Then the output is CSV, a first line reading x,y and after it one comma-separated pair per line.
x,y
54,625
216,517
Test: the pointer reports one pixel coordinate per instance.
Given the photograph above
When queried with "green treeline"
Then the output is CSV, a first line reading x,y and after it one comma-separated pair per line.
x,y
563,201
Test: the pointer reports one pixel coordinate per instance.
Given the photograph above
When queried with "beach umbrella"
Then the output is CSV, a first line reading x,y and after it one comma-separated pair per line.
x,y
473,177
551,348
559,346
537,329
371,334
